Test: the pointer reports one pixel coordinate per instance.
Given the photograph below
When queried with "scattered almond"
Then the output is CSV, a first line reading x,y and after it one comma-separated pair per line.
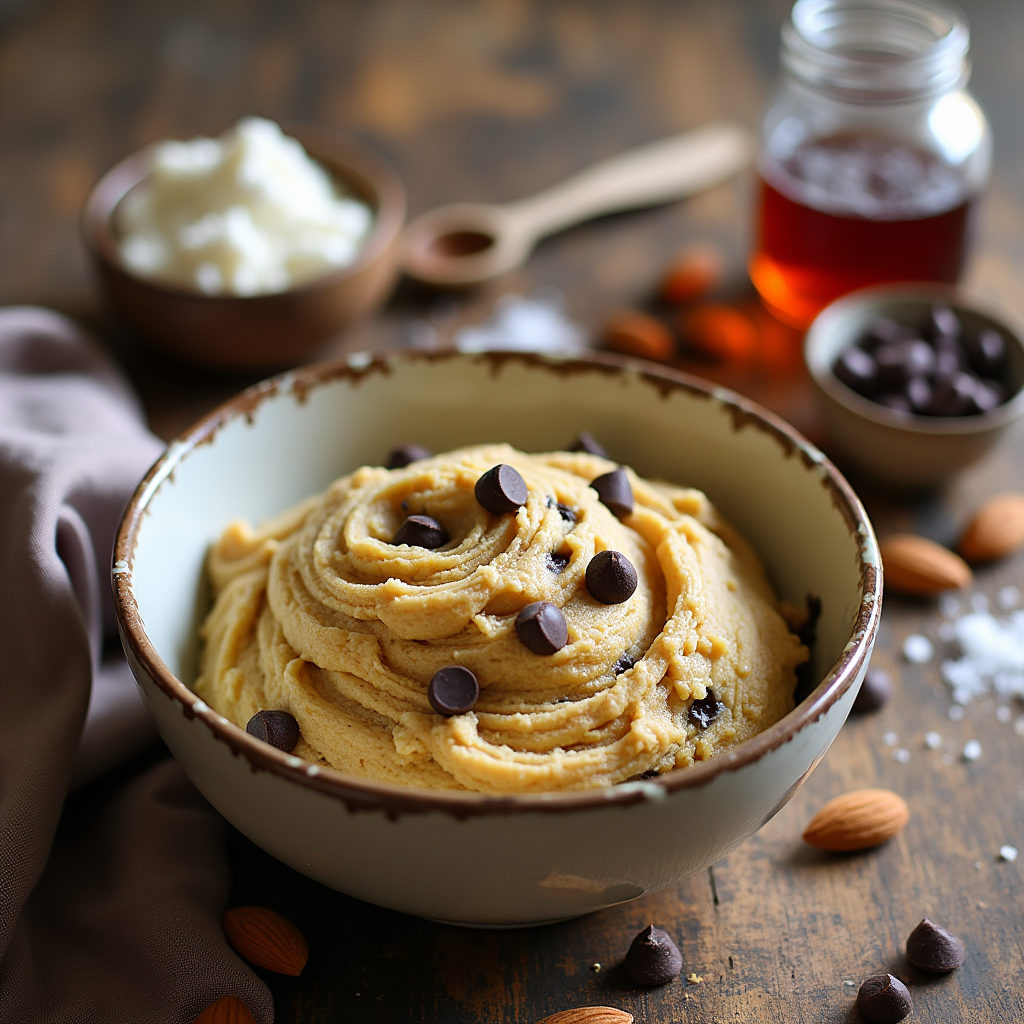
x,y
996,530
692,274
589,1015
266,939
638,334
916,565
857,820
719,332
227,1010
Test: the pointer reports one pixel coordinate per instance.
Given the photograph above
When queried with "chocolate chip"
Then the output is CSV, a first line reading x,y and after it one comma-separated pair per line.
x,y
541,627
856,369
653,958
934,949
586,443
278,728
874,691
624,664
895,401
421,532
986,352
703,712
884,999
987,395
501,489
453,691
919,394
884,331
556,561
943,323
953,397
405,454
611,578
568,514
614,491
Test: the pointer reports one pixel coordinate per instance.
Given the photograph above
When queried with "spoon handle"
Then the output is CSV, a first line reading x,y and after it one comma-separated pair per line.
x,y
671,168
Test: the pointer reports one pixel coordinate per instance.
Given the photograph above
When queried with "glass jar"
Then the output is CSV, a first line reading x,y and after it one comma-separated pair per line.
x,y
874,153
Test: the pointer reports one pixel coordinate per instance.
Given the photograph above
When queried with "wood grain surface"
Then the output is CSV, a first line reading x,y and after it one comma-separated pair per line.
x,y
490,101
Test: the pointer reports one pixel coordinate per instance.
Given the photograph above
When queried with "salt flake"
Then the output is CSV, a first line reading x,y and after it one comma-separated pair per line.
x,y
917,649
932,740
972,750
1008,853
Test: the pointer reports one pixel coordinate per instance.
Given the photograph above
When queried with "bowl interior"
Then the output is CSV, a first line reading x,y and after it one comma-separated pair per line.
x,y
288,439
846,320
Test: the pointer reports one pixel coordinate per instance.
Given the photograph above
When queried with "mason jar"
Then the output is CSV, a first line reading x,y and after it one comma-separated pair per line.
x,y
874,154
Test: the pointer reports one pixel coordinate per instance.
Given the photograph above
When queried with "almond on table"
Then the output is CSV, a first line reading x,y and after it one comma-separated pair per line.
x,y
266,939
589,1015
638,334
693,273
997,529
916,565
227,1010
857,820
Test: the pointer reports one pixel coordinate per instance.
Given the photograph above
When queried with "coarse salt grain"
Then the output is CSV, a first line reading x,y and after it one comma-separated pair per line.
x,y
1003,714
949,606
979,602
932,740
992,657
890,739
955,713
917,649
902,755
1008,597
972,750
518,324
1008,853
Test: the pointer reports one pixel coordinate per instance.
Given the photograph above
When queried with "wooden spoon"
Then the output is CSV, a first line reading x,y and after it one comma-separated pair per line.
x,y
466,243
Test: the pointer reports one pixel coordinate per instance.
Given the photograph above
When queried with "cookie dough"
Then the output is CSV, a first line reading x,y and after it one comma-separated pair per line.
x,y
319,614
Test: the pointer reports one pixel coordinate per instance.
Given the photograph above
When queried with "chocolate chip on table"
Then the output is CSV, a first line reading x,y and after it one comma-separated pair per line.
x,y
884,999
703,712
934,949
541,627
501,489
421,532
453,691
278,728
615,492
611,578
653,958
557,562
405,454
586,443
874,691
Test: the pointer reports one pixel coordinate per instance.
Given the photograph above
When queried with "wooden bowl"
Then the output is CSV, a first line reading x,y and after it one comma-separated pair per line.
x,y
257,332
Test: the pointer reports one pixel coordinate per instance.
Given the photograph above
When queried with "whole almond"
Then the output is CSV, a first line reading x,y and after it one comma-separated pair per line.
x,y
266,939
227,1010
719,332
589,1015
916,565
693,273
639,334
996,530
857,820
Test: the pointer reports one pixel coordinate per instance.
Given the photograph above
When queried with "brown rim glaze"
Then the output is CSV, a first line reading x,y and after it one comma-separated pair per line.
x,y
364,794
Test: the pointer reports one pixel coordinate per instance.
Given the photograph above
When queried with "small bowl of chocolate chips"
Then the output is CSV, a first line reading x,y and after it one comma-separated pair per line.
x,y
916,381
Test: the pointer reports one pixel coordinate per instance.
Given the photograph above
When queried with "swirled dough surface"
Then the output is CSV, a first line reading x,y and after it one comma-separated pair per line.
x,y
318,614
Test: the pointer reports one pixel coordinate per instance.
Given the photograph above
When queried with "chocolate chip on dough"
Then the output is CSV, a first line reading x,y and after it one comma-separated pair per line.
x,y
421,532
453,691
541,627
586,443
501,489
614,491
611,578
568,514
884,999
653,958
703,712
934,949
278,728
405,454
557,562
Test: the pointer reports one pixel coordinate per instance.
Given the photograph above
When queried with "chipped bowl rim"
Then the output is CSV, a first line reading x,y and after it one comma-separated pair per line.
x,y
366,794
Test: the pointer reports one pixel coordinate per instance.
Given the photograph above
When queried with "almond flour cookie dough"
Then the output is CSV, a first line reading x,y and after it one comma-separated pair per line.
x,y
321,614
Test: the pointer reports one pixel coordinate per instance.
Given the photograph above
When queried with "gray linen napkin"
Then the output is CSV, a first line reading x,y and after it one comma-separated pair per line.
x,y
110,900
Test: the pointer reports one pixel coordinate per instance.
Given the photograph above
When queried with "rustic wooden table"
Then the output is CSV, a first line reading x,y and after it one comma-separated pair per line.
x,y
491,101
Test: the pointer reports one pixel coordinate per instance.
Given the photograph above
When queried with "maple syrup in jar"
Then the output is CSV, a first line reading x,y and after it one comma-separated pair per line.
x,y
874,153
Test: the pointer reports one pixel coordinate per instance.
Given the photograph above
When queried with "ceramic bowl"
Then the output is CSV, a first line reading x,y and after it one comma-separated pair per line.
x,y
258,332
905,451
465,857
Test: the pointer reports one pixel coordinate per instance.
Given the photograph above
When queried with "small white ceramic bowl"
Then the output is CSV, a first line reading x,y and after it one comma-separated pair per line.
x,y
465,857
903,451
